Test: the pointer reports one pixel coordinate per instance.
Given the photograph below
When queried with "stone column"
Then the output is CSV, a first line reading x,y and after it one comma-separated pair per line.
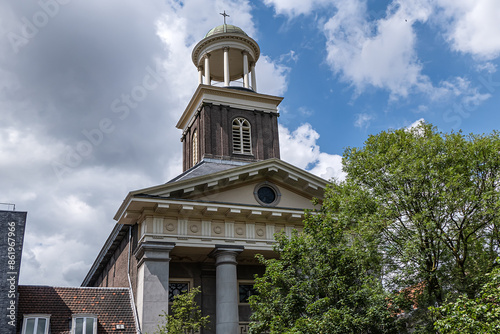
x,y
245,69
200,75
226,66
254,78
152,283
208,80
226,286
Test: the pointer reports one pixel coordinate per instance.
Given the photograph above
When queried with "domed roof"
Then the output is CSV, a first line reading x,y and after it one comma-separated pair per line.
x,y
225,28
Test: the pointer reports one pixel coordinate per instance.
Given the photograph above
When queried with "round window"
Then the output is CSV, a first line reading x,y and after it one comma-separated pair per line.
x,y
267,194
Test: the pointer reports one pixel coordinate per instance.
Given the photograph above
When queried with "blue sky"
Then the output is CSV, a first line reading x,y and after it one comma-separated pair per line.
x,y
454,88
346,69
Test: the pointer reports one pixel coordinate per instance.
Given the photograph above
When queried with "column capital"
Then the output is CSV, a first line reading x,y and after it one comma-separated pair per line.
x,y
207,55
244,52
153,251
226,254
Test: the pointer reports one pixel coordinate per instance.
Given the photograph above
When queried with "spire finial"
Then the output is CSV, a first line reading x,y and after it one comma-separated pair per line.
x,y
225,15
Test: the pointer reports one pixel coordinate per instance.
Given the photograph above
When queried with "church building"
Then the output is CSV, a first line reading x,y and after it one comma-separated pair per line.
x,y
205,226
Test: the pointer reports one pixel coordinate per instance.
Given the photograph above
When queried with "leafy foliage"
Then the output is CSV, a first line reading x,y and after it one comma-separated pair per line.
x,y
418,216
478,315
437,215
186,316
322,282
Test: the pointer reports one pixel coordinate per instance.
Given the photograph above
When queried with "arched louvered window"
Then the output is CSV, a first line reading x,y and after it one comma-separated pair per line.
x,y
195,147
242,140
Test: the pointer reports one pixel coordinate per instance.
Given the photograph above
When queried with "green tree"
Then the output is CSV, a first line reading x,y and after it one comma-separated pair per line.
x,y
437,211
418,215
322,282
478,315
186,315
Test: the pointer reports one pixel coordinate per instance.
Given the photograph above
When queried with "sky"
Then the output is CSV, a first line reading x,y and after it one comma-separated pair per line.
x,y
346,70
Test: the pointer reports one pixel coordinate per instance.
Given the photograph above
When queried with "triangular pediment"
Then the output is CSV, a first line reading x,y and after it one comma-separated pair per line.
x,y
233,186
283,194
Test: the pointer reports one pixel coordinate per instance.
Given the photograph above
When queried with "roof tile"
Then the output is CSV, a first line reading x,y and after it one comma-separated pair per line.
x,y
61,303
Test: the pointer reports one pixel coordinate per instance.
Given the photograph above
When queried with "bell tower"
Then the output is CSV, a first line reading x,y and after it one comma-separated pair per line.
x,y
226,119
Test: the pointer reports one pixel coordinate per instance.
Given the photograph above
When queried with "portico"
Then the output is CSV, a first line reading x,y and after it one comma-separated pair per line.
x,y
153,278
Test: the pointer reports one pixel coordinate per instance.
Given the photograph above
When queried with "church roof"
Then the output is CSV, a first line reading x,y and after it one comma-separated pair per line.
x,y
225,28
205,167
111,306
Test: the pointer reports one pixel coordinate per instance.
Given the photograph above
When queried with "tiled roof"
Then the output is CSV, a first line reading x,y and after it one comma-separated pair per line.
x,y
112,306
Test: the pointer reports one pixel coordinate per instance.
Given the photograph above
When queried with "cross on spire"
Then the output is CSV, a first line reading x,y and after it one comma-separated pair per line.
x,y
225,15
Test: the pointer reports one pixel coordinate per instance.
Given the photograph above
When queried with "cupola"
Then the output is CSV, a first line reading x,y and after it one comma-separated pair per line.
x,y
225,55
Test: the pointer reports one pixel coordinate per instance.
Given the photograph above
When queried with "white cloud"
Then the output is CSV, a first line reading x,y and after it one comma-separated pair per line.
x,y
291,56
299,148
459,90
305,111
379,53
473,26
487,66
329,166
363,120
294,8
272,77
415,124
422,109
48,260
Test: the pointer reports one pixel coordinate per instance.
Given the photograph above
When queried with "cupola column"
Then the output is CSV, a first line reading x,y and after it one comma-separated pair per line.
x,y
208,80
254,78
226,66
200,75
245,69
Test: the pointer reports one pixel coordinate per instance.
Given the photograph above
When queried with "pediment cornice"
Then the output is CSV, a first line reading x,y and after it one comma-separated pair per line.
x,y
273,169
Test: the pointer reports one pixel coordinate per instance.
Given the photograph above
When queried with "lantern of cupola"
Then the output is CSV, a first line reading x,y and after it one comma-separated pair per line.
x,y
225,55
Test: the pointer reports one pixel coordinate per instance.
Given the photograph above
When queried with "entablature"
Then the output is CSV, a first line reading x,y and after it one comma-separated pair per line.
x,y
140,207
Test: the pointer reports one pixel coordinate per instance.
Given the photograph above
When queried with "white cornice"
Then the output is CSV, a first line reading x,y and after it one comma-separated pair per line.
x,y
222,39
139,207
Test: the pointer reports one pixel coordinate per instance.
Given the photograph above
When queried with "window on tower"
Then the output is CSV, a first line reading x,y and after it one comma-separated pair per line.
x,y
195,147
242,142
